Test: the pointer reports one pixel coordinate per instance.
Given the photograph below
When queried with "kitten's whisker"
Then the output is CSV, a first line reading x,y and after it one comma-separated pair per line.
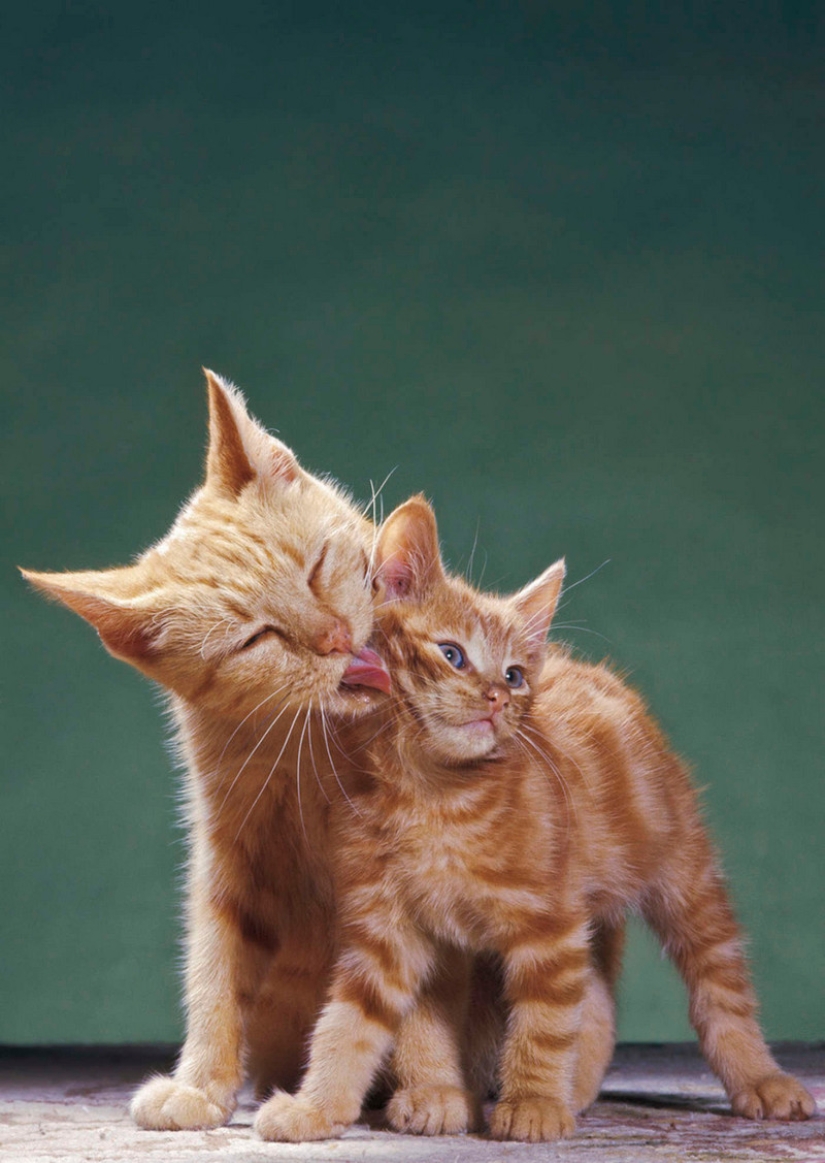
x,y
578,628
527,726
521,733
581,580
483,570
468,573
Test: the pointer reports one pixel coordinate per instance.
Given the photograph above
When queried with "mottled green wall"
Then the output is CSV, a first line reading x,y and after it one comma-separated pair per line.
x,y
564,276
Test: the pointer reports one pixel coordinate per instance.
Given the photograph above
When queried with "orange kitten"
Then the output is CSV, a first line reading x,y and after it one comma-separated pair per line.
x,y
518,804
253,612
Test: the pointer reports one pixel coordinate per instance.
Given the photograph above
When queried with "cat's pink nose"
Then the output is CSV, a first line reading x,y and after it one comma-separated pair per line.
x,y
497,698
336,638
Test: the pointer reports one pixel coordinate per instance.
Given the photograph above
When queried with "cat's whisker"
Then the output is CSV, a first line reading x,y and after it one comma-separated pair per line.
x,y
318,778
246,762
372,505
272,769
386,723
246,718
210,632
333,734
341,787
376,492
298,771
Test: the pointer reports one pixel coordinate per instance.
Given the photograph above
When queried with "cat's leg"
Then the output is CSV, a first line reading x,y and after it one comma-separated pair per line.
x,y
597,1036
545,977
432,1097
221,970
375,985
279,1022
690,911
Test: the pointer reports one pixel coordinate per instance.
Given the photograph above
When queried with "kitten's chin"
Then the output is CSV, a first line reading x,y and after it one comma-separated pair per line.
x,y
463,743
480,728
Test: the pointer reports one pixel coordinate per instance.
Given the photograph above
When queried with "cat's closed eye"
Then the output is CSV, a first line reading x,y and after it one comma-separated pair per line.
x,y
259,635
315,573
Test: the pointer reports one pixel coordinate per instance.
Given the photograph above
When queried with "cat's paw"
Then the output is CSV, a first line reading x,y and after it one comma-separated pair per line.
x,y
287,1118
532,1120
432,1110
779,1096
164,1104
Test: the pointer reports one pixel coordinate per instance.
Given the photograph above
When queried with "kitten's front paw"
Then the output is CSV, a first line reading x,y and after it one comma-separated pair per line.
x,y
287,1118
779,1096
432,1110
531,1120
164,1104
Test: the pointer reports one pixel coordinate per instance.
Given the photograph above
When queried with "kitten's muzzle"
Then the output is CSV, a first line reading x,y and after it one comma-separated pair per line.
x,y
367,669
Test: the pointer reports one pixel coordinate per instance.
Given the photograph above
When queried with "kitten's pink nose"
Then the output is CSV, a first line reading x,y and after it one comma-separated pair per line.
x,y
335,638
497,698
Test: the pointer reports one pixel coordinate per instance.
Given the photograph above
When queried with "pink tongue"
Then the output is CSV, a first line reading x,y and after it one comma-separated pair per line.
x,y
367,669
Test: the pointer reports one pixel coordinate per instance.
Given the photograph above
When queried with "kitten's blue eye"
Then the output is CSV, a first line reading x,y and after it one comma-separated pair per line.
x,y
454,654
514,677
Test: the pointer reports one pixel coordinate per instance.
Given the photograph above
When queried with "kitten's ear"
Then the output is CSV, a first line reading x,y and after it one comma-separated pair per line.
x,y
240,449
537,602
408,557
106,599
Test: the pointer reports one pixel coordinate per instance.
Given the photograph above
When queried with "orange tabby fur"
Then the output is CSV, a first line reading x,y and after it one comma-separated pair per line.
x,y
249,613
516,803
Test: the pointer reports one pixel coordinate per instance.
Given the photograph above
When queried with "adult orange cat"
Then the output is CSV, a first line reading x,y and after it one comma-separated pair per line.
x,y
516,802
253,612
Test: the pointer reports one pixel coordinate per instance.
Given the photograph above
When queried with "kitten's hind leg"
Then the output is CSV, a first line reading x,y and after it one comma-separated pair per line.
x,y
432,1096
597,1036
485,1027
690,911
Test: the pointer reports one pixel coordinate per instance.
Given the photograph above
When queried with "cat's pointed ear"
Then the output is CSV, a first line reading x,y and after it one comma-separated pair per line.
x,y
408,557
537,602
106,599
240,449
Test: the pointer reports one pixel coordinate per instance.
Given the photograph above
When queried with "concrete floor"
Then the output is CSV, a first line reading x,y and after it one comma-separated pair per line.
x,y
659,1103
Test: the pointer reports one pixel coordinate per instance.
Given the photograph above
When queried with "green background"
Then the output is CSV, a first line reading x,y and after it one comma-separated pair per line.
x,y
561,269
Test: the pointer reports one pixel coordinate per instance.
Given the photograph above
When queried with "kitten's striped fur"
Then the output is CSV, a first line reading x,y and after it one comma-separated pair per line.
x,y
526,838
